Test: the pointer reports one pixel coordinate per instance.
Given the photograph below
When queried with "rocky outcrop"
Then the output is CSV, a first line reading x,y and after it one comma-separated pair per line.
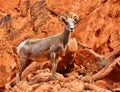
x,y
98,29
7,61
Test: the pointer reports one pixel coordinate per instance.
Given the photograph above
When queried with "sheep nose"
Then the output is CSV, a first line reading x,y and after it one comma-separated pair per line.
x,y
72,29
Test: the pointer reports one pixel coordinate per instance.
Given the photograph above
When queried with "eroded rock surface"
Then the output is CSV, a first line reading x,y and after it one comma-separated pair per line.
x,y
97,29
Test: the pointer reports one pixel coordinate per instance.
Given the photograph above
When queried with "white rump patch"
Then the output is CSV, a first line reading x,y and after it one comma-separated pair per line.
x,y
20,46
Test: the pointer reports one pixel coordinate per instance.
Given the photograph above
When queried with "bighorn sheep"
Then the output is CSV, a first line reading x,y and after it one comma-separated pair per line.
x,y
47,48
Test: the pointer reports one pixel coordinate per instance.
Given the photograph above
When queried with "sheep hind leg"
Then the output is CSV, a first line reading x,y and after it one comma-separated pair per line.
x,y
54,65
23,64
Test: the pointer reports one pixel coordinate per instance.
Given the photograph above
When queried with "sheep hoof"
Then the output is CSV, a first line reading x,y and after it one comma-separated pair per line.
x,y
54,78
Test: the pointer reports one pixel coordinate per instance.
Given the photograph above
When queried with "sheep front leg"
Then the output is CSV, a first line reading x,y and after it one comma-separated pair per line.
x,y
54,64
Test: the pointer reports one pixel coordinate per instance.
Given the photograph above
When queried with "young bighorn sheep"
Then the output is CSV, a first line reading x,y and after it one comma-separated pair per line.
x,y
47,48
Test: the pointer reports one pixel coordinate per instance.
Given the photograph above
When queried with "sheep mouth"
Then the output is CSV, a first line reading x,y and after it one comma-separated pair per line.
x,y
72,29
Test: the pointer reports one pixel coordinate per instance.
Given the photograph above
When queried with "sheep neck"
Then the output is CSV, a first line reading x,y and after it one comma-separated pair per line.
x,y
66,36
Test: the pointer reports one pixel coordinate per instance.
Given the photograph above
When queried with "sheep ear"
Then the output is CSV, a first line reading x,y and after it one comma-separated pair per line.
x,y
75,17
63,17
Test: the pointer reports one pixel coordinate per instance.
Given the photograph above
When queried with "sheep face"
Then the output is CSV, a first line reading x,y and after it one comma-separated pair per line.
x,y
69,22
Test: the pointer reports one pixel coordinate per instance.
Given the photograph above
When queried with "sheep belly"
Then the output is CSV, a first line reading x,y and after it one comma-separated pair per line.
x,y
41,57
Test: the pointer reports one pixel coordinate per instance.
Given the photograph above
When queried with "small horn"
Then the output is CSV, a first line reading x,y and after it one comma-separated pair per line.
x,y
63,17
75,17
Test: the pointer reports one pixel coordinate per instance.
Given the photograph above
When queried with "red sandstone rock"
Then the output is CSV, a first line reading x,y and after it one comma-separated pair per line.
x,y
21,87
65,90
75,85
7,61
98,29
45,87
101,83
8,5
